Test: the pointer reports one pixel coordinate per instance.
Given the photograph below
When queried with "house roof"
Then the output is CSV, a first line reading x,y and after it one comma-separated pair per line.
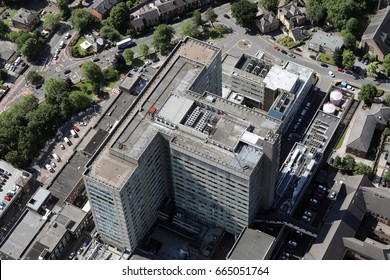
x,y
166,7
379,30
298,34
25,17
320,38
290,10
364,124
151,14
104,6
268,19
137,22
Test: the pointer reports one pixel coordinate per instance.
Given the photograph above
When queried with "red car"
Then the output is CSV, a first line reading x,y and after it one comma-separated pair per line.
x,y
340,70
7,198
76,128
277,48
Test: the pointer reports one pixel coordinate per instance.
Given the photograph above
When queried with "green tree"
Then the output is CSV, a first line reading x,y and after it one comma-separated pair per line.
x,y
80,99
386,176
386,64
82,20
34,78
372,69
108,32
32,47
110,74
211,16
144,50
348,59
130,4
244,12
63,6
349,40
269,5
367,93
128,54
197,18
3,28
3,75
52,21
338,162
339,11
316,12
349,163
363,169
119,16
162,37
352,26
386,99
118,62
189,28
93,74
338,56
56,90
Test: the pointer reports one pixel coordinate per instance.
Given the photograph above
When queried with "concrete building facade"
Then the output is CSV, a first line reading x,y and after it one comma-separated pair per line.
x,y
215,159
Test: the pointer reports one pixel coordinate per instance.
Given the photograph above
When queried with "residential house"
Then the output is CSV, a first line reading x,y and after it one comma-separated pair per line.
x,y
25,19
101,8
376,38
325,43
298,34
267,23
365,123
137,24
291,16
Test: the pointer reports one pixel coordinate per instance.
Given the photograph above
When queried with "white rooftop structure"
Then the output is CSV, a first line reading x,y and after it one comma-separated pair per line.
x,y
85,45
278,78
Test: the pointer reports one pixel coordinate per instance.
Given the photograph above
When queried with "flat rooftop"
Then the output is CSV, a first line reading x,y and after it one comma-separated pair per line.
x,y
168,98
23,234
278,77
251,245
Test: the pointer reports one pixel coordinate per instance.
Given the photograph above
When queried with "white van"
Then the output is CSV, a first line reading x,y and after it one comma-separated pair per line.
x,y
57,158
74,133
49,168
18,60
62,44
67,141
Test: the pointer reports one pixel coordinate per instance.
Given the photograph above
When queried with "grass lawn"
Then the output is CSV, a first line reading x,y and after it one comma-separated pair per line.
x,y
80,50
83,85
216,32
12,13
340,142
326,58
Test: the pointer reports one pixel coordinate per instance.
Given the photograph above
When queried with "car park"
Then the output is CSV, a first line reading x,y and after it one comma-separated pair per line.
x,y
306,218
331,74
49,168
292,243
76,128
308,213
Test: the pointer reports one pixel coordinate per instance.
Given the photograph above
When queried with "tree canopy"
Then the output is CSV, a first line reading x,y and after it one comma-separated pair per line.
x,y
338,56
3,28
352,26
339,11
33,77
269,5
144,50
162,37
82,20
367,93
210,15
63,6
349,40
244,12
110,33
386,64
189,28
348,59
197,18
119,16
316,12
52,21
93,74
128,54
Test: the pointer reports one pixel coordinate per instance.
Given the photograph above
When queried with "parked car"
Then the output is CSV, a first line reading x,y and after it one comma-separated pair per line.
x,y
291,55
67,36
95,59
340,69
292,243
331,74
62,147
313,201
226,16
366,61
53,164
7,198
308,213
76,128
83,123
283,52
49,168
306,218
333,195
298,49
276,48
67,71
72,255
324,65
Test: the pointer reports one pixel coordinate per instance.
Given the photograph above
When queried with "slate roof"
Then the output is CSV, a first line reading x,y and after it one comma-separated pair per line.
x,y
268,19
104,6
364,126
25,17
290,10
379,30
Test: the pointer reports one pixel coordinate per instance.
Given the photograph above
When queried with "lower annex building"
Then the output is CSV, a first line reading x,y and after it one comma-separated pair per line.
x,y
180,140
